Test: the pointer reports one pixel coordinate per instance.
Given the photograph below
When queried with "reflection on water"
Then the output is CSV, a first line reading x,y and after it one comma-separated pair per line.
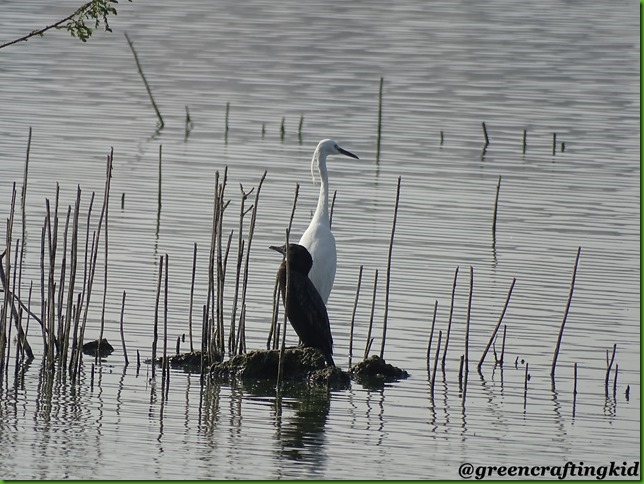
x,y
447,68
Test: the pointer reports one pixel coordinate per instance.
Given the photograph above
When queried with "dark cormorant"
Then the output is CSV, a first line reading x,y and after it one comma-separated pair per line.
x,y
306,310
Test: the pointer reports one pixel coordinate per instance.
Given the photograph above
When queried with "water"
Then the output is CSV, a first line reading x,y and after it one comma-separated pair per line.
x,y
447,66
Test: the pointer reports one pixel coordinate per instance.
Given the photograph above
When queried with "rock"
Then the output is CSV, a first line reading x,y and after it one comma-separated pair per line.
x,y
300,364
374,371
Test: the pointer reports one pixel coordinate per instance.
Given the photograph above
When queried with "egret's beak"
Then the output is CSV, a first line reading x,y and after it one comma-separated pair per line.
x,y
347,153
280,249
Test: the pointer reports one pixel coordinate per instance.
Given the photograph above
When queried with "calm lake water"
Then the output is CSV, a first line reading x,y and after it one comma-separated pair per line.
x,y
544,67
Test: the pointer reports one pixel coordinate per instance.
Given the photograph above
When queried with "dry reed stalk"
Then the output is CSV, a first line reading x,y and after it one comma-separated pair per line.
x,y
210,300
61,292
498,325
449,322
192,293
500,361
159,191
442,138
155,336
226,123
282,130
574,391
127,362
525,386
188,125
251,231
74,353
353,314
232,346
373,309
271,342
434,371
565,316
299,129
609,366
43,307
280,367
94,256
467,331
379,120
554,144
145,82
7,293
431,334
204,341
164,374
108,184
241,334
525,135
487,138
23,195
388,280
615,383
496,208
221,347
23,344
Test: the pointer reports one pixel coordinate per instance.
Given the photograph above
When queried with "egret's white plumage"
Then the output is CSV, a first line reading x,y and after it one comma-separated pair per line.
x,y
318,238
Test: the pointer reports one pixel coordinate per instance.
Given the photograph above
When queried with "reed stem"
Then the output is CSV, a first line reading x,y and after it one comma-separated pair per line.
x,y
565,316
379,120
108,183
145,82
498,325
155,337
192,293
609,366
487,139
127,362
373,309
496,208
449,322
353,315
467,327
388,280
434,371
431,334
280,367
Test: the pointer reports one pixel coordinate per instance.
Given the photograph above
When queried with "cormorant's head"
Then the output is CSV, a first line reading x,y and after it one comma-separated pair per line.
x,y
300,259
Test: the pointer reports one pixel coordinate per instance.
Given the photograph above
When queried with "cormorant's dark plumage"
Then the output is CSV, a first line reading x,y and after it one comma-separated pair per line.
x,y
306,310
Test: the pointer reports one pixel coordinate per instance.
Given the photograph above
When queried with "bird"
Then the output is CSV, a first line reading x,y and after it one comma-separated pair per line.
x,y
318,238
305,308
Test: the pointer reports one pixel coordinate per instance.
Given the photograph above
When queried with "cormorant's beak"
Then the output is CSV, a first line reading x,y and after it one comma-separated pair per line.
x,y
280,249
347,153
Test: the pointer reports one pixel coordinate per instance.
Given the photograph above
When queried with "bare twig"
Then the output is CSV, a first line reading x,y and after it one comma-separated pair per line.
x,y
147,87
449,322
391,246
353,315
122,333
498,324
565,316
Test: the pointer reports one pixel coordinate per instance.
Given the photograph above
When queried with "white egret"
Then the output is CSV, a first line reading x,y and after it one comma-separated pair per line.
x,y
318,238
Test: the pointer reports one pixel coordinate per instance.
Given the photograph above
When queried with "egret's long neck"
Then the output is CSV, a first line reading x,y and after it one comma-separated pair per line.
x,y
322,210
